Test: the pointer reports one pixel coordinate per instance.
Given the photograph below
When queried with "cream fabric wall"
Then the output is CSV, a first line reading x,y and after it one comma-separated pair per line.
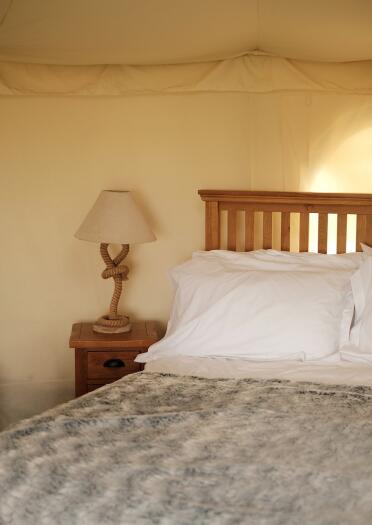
x,y
57,154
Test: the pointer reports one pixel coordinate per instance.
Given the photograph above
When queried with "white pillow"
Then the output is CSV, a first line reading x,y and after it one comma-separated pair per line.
x,y
366,249
360,347
253,308
304,261
278,260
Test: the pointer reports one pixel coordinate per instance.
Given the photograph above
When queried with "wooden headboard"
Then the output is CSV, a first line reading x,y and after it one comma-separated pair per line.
x,y
285,204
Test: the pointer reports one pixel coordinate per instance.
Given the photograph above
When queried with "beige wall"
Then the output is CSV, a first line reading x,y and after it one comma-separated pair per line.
x,y
57,154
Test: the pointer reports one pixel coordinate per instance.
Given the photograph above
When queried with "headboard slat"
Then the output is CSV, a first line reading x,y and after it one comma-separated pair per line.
x,y
285,232
322,232
286,203
267,230
361,231
249,231
341,232
304,232
231,230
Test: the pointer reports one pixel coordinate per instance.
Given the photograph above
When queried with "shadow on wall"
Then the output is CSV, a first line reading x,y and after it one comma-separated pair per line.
x,y
19,400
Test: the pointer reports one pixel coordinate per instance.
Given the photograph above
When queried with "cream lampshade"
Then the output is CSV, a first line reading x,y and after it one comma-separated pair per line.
x,y
114,219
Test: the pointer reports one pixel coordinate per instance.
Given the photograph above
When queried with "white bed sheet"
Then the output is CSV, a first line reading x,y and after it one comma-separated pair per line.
x,y
332,371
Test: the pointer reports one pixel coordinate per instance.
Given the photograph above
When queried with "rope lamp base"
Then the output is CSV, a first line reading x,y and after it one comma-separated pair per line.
x,y
114,323
102,328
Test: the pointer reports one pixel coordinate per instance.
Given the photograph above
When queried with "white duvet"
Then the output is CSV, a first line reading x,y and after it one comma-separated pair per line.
x,y
330,371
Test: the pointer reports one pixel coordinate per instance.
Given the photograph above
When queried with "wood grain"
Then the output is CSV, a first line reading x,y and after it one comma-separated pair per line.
x,y
97,360
143,333
93,350
249,231
361,231
349,200
304,232
286,203
231,230
341,232
267,230
322,232
97,384
368,237
80,371
285,231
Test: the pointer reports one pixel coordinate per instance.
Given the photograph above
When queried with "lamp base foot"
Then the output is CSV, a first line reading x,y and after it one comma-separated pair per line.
x,y
119,325
108,330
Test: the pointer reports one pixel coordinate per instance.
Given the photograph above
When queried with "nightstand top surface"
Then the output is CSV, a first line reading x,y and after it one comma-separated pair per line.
x,y
143,334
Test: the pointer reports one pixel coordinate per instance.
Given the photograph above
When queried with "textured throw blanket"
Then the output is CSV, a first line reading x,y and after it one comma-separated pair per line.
x,y
155,448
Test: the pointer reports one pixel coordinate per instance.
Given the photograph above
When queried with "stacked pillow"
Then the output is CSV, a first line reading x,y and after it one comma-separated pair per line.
x,y
359,346
263,305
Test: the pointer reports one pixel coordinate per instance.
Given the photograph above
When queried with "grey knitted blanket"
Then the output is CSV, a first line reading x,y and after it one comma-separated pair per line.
x,y
165,449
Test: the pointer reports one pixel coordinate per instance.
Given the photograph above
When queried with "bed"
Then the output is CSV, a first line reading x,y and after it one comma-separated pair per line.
x,y
204,439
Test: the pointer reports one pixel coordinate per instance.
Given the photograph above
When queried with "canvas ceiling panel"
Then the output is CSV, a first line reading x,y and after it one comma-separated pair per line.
x,y
4,7
153,32
319,30
133,32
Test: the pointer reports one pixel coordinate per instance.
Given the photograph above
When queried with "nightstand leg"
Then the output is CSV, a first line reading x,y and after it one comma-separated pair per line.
x,y
81,386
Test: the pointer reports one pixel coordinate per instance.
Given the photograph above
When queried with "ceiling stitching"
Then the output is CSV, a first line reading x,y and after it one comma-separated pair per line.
x,y
258,26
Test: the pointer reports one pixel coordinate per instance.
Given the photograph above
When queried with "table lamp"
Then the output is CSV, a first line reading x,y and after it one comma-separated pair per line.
x,y
114,219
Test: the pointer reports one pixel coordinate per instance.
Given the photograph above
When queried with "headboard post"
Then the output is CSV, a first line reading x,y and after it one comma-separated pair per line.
x,y
368,235
212,225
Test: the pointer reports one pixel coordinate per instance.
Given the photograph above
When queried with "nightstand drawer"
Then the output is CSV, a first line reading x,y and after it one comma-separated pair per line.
x,y
93,386
111,364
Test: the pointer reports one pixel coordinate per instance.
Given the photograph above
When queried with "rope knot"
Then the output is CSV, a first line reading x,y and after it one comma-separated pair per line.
x,y
120,270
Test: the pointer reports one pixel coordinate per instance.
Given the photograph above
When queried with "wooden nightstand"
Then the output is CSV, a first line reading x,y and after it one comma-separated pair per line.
x,y
104,358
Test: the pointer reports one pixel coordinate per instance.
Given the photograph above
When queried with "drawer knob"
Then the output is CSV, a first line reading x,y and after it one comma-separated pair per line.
x,y
114,363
